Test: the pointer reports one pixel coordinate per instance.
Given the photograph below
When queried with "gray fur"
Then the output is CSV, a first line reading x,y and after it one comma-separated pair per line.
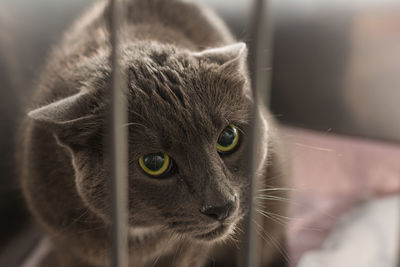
x,y
186,80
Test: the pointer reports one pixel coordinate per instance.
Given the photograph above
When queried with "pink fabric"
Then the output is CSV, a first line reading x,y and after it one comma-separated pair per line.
x,y
331,173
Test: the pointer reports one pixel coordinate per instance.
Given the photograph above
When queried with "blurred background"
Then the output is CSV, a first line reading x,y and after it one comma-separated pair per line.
x,y
335,87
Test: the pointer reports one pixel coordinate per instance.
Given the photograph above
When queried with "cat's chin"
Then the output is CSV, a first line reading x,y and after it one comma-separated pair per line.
x,y
219,233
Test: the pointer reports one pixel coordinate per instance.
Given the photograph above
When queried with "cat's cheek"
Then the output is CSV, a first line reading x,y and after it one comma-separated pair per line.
x,y
89,189
91,184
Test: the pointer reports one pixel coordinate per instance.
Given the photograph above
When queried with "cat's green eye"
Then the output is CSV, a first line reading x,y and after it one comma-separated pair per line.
x,y
156,164
228,139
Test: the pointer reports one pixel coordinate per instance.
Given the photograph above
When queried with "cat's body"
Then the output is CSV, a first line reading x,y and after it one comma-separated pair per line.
x,y
181,96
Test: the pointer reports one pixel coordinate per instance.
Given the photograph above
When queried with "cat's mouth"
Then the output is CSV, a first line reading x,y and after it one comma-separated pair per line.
x,y
218,232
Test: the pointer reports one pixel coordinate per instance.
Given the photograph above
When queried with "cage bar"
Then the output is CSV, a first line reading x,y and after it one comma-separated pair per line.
x,y
260,61
398,245
118,145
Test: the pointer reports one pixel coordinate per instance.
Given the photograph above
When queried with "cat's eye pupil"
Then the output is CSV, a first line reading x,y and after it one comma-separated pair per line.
x,y
154,161
227,136
228,139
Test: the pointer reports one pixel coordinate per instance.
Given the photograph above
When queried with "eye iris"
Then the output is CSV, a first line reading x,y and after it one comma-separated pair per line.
x,y
155,163
228,139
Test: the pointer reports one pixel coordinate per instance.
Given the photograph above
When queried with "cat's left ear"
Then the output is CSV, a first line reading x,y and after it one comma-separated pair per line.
x,y
71,119
234,55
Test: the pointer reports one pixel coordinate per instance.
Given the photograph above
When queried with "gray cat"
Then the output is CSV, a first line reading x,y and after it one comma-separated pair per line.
x,y
189,104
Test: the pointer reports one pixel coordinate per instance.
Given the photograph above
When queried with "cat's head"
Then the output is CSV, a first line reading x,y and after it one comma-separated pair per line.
x,y
188,123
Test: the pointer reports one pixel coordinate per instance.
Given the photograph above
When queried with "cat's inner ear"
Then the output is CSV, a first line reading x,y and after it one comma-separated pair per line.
x,y
71,119
234,53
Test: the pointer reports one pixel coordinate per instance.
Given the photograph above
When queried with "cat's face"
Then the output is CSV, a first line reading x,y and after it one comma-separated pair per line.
x,y
188,118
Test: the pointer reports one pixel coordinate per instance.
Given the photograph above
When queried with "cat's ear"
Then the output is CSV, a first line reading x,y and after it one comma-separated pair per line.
x,y
63,111
230,55
71,118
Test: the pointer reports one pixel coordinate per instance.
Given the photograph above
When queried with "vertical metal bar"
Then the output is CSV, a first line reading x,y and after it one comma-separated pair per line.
x,y
260,36
261,50
118,145
398,245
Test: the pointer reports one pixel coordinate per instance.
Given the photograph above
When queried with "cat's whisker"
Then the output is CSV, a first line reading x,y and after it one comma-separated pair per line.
x,y
271,196
138,115
74,221
156,260
275,198
291,202
286,220
178,252
278,189
134,124
268,216
266,198
264,234
276,215
314,147
86,211
314,229
240,230
272,178
290,220
235,237
166,246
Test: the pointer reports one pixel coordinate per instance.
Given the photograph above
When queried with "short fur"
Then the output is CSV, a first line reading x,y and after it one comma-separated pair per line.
x,y
186,80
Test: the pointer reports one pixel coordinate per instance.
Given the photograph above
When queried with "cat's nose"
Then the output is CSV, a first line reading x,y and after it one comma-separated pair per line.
x,y
219,212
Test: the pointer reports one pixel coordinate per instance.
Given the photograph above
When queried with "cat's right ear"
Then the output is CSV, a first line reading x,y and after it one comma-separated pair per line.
x,y
71,119
233,55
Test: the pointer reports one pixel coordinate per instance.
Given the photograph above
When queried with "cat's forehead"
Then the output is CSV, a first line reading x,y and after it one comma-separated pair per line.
x,y
177,97
154,54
